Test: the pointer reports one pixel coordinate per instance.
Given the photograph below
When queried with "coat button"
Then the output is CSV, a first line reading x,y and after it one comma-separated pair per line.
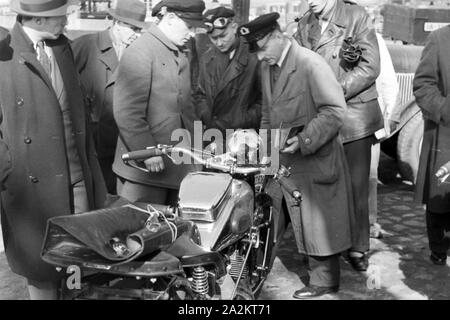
x,y
307,141
19,101
27,140
33,179
334,55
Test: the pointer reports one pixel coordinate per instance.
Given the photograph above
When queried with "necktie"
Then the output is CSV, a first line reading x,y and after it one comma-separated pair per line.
x,y
44,59
275,74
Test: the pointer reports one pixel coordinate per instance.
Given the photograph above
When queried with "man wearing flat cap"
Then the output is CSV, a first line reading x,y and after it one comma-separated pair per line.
x,y
343,34
97,56
229,92
48,166
301,96
152,92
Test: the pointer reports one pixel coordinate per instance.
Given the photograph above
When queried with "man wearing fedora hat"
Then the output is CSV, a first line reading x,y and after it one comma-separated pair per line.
x,y
151,99
48,165
97,57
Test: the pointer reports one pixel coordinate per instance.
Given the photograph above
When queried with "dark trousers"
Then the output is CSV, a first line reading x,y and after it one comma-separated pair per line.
x,y
438,225
358,154
323,271
137,192
108,174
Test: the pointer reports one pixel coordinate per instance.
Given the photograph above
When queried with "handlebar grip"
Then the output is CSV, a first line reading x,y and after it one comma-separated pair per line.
x,y
290,187
141,154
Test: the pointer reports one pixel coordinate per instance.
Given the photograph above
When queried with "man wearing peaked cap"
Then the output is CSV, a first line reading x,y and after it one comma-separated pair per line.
x,y
303,98
188,10
48,164
97,56
227,65
151,96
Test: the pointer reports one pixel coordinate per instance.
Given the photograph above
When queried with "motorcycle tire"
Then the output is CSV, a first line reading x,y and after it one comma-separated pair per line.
x,y
244,292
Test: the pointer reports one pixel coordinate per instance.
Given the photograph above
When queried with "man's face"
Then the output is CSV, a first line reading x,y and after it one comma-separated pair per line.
x,y
180,30
270,48
127,33
317,6
53,27
224,39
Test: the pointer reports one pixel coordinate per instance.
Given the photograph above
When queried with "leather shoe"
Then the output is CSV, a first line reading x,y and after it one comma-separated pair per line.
x,y
359,263
438,259
312,291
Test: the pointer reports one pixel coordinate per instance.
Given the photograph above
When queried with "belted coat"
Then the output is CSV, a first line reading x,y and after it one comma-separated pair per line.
x,y
34,172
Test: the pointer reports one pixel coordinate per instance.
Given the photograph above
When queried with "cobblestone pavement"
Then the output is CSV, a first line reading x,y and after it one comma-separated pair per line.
x,y
399,263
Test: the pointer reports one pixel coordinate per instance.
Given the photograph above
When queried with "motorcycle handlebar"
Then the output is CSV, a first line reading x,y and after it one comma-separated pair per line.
x,y
208,163
141,154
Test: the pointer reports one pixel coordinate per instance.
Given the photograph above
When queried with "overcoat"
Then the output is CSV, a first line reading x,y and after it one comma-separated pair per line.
x,y
431,88
34,166
151,95
96,61
364,116
229,92
307,94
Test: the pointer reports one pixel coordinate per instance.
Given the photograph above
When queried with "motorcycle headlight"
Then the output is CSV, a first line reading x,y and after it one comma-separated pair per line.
x,y
245,145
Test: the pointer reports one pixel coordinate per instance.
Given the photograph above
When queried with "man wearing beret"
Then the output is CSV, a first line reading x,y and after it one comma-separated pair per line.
x,y
153,90
48,166
97,56
301,93
229,91
342,33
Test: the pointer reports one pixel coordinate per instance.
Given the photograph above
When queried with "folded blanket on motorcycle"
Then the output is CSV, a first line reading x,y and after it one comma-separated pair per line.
x,y
110,236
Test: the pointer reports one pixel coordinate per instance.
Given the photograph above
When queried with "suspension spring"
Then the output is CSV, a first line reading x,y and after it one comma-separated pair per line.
x,y
200,281
237,262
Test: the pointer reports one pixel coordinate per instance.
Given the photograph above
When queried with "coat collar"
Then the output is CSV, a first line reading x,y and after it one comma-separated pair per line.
x,y
337,23
108,55
236,66
158,34
26,53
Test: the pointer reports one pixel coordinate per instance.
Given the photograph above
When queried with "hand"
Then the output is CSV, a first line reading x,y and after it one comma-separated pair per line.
x,y
294,145
154,164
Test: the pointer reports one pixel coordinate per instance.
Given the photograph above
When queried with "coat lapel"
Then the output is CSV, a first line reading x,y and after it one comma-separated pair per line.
x,y
27,55
107,55
235,68
304,27
287,69
336,27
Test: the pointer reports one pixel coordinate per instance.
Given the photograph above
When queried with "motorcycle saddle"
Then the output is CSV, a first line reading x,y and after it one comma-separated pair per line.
x,y
108,237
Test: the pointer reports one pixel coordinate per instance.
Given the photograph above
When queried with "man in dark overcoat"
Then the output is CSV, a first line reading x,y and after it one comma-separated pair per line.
x,y
151,96
48,165
229,90
431,88
300,91
342,33
97,56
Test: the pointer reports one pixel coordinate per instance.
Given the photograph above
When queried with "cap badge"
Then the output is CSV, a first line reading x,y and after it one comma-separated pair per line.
x,y
244,31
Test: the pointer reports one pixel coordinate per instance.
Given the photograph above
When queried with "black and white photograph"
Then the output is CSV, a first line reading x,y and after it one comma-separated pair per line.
x,y
225,150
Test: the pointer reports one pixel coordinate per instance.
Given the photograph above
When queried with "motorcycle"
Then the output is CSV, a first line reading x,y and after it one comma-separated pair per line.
x,y
216,243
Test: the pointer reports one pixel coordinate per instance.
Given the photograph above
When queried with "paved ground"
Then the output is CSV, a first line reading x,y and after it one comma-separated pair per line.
x,y
399,265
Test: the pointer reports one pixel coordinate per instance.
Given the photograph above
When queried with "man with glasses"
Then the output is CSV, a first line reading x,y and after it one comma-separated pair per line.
x,y
152,92
97,56
229,93
300,92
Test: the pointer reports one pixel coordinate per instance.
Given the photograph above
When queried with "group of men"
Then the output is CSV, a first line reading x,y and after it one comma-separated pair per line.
x,y
69,110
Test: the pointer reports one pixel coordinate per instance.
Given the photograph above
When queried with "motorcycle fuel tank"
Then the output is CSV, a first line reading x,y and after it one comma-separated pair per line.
x,y
221,207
